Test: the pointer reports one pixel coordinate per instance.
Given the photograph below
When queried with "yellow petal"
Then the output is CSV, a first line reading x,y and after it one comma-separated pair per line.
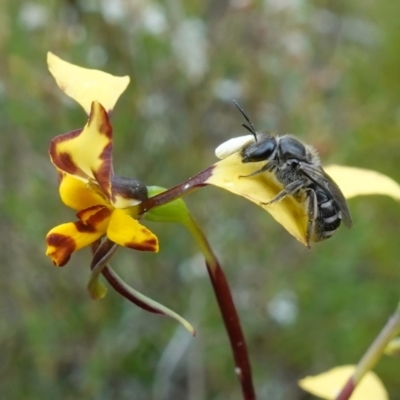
x,y
358,181
261,188
64,239
77,194
329,384
87,85
128,232
87,154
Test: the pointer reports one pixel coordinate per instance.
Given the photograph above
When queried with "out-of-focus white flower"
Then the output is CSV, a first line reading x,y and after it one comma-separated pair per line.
x,y
154,105
283,307
227,89
295,43
192,268
113,11
360,31
325,21
33,16
153,19
284,5
190,46
239,4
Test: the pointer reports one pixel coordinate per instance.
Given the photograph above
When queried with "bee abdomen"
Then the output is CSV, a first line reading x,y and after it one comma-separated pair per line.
x,y
329,216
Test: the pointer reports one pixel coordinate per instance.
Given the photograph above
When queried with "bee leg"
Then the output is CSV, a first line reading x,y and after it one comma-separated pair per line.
x,y
290,189
312,214
270,166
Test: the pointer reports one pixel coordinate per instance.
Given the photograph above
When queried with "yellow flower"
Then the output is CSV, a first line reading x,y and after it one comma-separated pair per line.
x,y
106,203
328,384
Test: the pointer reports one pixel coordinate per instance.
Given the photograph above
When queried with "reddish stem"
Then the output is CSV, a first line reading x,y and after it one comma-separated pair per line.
x,y
234,330
177,191
110,276
229,314
347,390
101,252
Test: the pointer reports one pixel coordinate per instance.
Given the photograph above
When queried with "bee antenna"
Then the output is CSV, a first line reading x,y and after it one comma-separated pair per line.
x,y
249,127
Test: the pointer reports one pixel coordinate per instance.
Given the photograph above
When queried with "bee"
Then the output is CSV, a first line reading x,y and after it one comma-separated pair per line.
x,y
297,167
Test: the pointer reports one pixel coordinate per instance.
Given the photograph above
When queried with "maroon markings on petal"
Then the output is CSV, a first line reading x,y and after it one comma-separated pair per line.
x,y
65,246
63,160
91,218
106,154
99,217
84,228
81,214
146,245
105,171
105,127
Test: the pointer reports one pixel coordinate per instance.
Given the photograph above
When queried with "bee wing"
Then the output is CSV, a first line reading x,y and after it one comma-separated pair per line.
x,y
232,146
324,181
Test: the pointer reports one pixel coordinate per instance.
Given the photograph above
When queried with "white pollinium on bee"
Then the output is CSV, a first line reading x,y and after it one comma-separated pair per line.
x,y
233,146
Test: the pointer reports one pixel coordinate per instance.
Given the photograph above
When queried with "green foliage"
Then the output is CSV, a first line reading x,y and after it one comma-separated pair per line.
x,y
176,211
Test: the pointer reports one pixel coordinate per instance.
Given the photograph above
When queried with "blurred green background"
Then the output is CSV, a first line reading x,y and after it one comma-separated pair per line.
x,y
327,71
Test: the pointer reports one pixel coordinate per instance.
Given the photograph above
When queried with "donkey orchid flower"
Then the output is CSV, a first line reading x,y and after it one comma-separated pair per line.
x,y
106,203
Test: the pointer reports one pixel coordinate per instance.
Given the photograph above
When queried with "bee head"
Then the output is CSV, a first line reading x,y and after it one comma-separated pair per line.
x,y
263,150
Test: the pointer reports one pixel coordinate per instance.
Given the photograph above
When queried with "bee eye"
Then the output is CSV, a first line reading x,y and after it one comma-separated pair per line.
x,y
260,151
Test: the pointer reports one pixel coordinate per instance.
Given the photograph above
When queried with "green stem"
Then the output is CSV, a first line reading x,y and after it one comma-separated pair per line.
x,y
372,355
228,311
